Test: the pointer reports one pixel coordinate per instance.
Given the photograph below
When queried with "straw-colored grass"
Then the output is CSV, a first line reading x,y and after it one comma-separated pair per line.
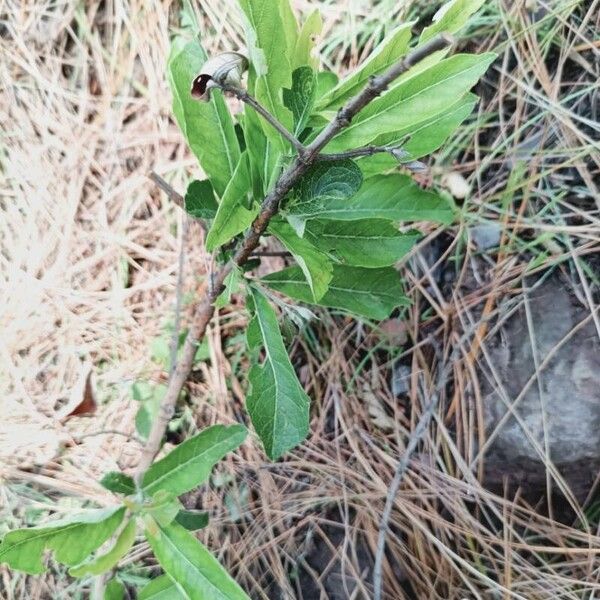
x,y
89,260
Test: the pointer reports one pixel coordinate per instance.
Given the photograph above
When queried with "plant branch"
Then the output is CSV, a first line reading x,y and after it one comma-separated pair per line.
x,y
174,346
290,177
172,194
274,253
397,152
245,97
401,468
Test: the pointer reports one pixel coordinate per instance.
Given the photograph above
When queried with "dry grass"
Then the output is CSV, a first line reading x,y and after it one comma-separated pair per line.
x,y
89,266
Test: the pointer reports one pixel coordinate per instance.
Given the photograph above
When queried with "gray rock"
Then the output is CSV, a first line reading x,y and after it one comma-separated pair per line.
x,y
400,379
486,235
558,411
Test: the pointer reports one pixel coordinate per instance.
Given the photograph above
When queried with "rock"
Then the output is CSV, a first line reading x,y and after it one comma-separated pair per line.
x,y
560,408
340,563
486,235
400,379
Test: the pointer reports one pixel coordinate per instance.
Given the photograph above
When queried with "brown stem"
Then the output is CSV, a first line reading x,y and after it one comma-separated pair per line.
x,y
301,163
245,97
395,151
171,193
274,253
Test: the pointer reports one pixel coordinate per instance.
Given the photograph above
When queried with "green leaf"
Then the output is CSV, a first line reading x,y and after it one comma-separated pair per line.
x,y
191,565
425,138
192,520
387,53
231,283
394,197
160,350
190,463
161,588
73,539
326,81
311,28
149,396
161,347
253,333
164,507
327,181
258,148
118,482
364,243
300,98
451,17
414,100
105,562
290,25
266,38
200,201
114,590
315,265
206,126
370,293
431,134
277,404
233,215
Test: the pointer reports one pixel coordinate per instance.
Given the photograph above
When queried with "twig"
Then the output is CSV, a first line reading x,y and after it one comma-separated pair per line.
x,y
173,194
397,152
245,97
275,253
178,199
178,295
401,468
287,180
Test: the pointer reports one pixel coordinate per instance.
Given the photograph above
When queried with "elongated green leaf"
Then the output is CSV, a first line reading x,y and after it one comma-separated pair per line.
x,y
161,588
114,590
316,266
430,135
326,81
200,201
290,25
192,520
118,482
303,52
149,396
164,507
365,243
387,53
451,17
231,284
253,333
191,565
326,182
300,98
233,214
277,404
270,60
371,293
262,156
72,539
105,562
425,138
394,197
414,100
190,464
206,126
